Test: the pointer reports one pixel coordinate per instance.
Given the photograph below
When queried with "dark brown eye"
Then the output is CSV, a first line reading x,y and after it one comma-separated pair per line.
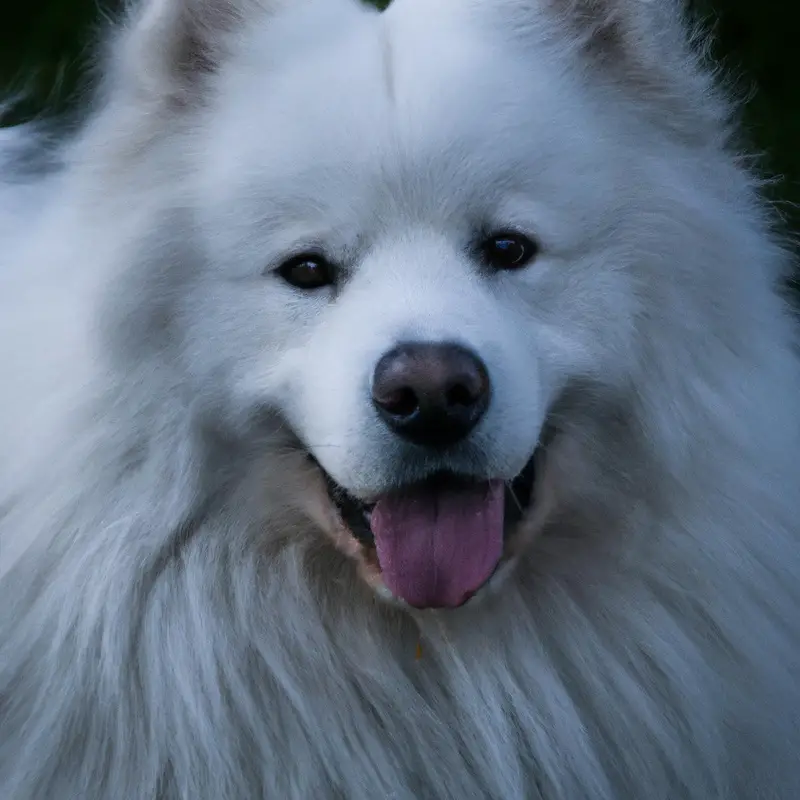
x,y
307,271
508,251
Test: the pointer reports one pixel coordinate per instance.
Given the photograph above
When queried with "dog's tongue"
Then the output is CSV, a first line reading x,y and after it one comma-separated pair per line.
x,y
437,545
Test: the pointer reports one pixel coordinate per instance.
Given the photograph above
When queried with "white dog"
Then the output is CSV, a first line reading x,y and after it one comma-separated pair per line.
x,y
400,406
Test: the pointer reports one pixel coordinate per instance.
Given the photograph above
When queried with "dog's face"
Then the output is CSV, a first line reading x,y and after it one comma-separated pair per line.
x,y
413,231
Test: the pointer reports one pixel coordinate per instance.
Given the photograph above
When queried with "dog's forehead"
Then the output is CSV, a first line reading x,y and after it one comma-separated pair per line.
x,y
393,93
388,126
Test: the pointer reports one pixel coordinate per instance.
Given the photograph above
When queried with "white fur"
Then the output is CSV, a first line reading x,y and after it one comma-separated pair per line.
x,y
172,623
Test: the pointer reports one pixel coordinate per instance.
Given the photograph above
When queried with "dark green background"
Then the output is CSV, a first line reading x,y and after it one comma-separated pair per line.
x,y
45,47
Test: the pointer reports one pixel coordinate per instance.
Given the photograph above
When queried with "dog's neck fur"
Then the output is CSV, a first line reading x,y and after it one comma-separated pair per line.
x,y
228,664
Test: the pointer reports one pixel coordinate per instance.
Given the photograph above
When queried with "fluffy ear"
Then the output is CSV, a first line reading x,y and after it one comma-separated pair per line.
x,y
169,48
611,29
165,48
645,46
623,31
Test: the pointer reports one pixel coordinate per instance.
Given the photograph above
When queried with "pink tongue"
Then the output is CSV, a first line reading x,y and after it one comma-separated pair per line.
x,y
436,546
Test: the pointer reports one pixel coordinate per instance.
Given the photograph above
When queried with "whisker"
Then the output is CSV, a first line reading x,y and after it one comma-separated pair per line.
x,y
509,487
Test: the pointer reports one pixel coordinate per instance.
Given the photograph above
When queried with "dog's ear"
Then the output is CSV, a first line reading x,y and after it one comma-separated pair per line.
x,y
648,47
628,35
167,49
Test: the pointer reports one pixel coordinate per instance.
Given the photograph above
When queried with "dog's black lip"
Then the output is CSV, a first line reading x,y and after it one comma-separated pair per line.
x,y
355,513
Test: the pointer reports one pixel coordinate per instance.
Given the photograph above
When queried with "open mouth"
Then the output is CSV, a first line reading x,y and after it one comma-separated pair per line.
x,y
434,544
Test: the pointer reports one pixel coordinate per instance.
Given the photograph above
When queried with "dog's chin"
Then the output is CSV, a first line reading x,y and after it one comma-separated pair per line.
x,y
356,527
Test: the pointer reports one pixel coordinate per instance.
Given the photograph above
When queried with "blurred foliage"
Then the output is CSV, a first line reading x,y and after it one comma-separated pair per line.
x,y
46,47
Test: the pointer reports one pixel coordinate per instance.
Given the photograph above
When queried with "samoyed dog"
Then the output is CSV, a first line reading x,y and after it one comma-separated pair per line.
x,y
397,405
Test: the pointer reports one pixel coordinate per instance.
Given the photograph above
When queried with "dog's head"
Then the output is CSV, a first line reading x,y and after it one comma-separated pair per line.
x,y
443,244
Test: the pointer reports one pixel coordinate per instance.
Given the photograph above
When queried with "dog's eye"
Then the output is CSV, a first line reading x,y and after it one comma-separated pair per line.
x,y
307,271
508,251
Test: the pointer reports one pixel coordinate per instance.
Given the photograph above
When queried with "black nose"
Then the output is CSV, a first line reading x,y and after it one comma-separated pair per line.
x,y
431,394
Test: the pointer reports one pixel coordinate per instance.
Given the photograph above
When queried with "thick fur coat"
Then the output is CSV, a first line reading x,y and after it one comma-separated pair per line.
x,y
176,621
